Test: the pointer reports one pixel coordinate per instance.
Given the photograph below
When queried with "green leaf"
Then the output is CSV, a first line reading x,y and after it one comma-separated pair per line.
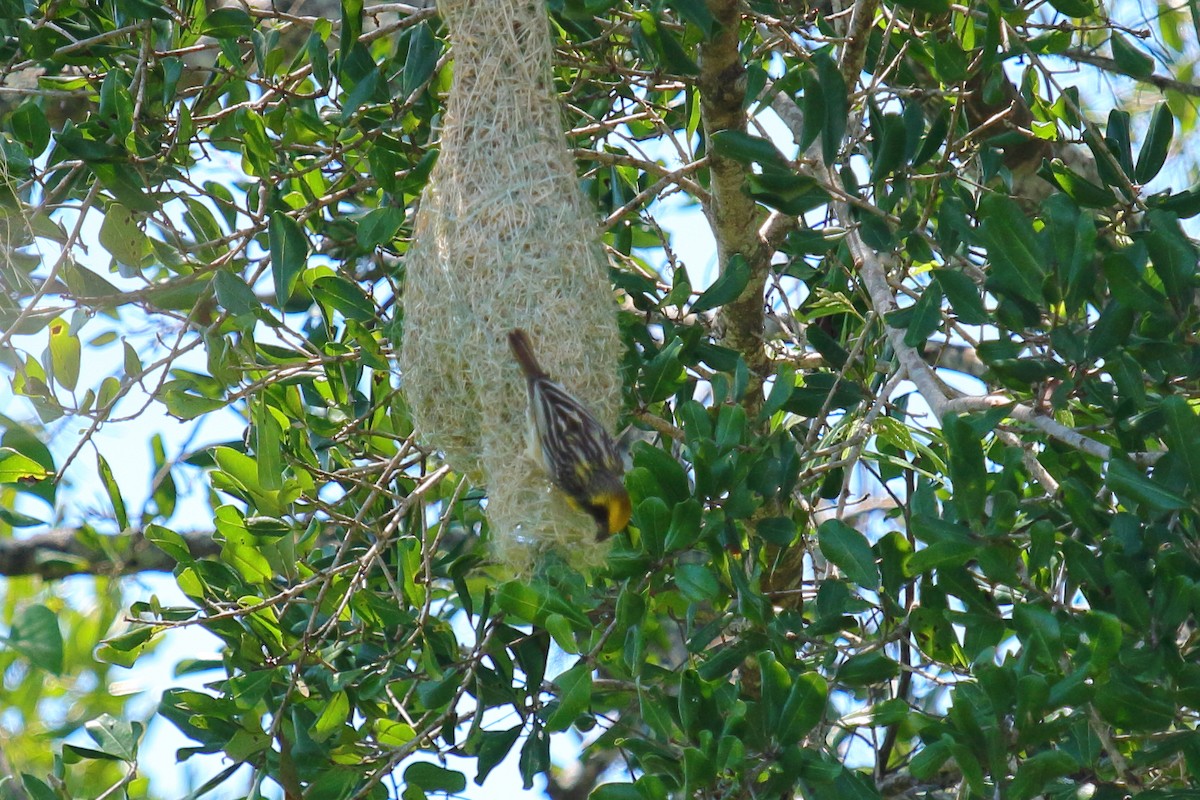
x,y
939,554
289,252
433,778
258,149
421,59
380,226
1173,256
867,669
1037,771
926,316
818,392
15,467
963,295
930,758
334,713
1153,154
1130,60
1128,481
114,492
746,149
35,634
116,104
696,582
494,746
1009,237
116,737
850,551
37,789
535,756
29,125
268,450
696,12
664,374
522,601
1074,8
65,354
804,708
234,295
928,6
1075,186
1135,705
1182,435
728,286
779,531
837,105
574,696
616,791
968,472
336,292
228,22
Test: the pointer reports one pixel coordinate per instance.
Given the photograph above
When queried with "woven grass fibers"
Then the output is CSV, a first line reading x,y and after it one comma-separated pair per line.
x,y
505,239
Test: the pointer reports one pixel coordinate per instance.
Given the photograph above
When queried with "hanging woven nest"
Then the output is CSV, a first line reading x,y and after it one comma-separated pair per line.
x,y
505,239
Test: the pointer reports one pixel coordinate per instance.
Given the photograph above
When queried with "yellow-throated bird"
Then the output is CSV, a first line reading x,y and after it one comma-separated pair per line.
x,y
573,448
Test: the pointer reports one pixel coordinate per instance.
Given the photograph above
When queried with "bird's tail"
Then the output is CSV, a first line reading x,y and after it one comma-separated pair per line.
x,y
522,350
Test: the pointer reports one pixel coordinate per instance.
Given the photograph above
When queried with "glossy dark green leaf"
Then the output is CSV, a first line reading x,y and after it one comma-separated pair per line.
x,y
1074,8
1172,254
29,125
850,551
421,59
696,582
535,756
574,696
835,102
939,554
234,295
967,470
867,669
494,746
1017,266
434,778
1128,481
746,149
337,293
927,6
1130,60
380,226
1075,186
664,374
728,286
823,390
1156,144
934,139
804,707
616,791
1182,434
289,253
113,490
926,316
37,789
1037,771
1130,703
963,295
227,22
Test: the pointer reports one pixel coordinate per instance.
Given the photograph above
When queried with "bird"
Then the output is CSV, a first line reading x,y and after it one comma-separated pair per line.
x,y
572,447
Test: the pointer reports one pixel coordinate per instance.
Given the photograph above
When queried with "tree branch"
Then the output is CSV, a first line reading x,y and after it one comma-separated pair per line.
x,y
735,217
74,551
